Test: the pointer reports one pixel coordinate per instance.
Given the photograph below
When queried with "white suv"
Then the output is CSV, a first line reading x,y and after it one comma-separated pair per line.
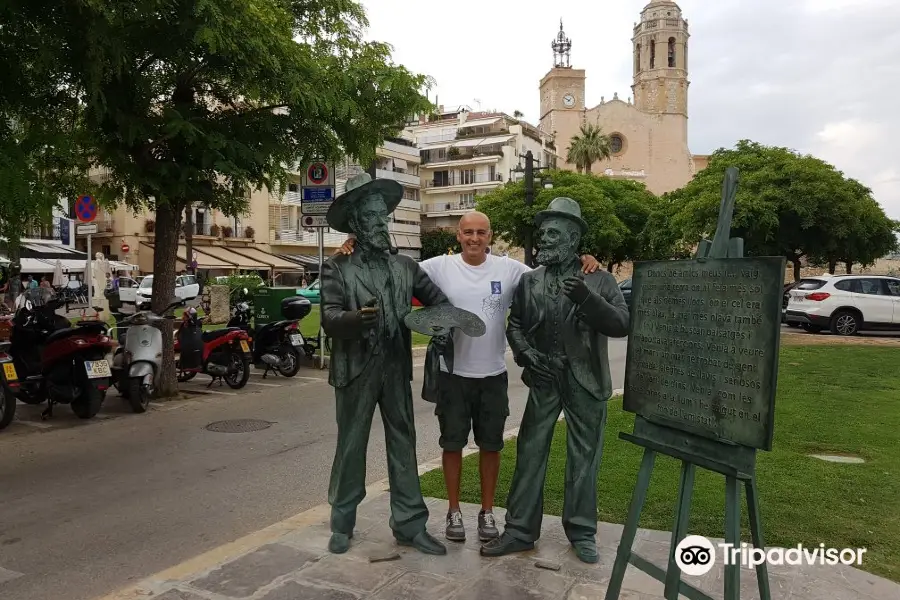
x,y
845,304
186,287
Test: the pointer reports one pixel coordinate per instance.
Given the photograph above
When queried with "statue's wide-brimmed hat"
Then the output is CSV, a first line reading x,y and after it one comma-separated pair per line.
x,y
358,187
565,208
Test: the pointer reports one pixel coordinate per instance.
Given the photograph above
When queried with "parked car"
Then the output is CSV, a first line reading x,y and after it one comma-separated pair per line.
x,y
128,288
625,287
845,304
311,292
186,287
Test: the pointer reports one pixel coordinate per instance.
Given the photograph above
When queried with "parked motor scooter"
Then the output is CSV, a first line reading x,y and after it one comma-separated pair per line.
x,y
136,363
10,381
58,362
277,345
223,354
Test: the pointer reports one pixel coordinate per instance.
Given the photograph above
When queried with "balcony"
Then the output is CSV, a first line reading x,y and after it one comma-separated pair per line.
x,y
456,179
448,207
404,228
304,237
42,232
404,178
291,198
459,155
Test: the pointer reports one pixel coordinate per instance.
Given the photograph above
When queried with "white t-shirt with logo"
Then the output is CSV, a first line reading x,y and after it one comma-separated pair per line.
x,y
486,290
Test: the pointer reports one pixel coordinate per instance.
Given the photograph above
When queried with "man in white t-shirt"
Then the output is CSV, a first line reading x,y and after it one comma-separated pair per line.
x,y
475,397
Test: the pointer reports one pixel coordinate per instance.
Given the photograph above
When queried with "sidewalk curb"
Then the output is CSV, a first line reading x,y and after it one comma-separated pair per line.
x,y
232,550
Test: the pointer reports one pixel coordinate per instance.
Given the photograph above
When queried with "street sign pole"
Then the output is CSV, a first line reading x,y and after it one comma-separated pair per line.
x,y
89,275
86,211
321,329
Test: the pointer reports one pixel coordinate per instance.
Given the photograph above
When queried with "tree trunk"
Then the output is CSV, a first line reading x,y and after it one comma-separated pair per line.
x,y
832,266
849,266
796,261
189,238
168,223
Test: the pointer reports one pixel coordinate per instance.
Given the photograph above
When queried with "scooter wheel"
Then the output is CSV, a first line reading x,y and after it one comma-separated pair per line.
x,y
238,380
88,404
7,407
139,395
291,360
184,376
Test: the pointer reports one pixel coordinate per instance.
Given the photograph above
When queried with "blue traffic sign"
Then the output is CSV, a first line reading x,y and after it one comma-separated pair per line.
x,y
318,194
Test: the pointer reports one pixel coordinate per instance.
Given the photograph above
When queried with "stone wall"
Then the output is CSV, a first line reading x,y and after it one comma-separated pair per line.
x,y
219,305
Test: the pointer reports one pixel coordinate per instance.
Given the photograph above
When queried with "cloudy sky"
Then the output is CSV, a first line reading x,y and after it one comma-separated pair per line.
x,y
818,76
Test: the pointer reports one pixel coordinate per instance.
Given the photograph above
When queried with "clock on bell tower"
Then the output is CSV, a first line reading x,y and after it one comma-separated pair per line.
x,y
562,89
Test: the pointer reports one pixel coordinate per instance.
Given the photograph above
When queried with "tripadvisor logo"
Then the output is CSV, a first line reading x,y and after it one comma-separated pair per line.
x,y
696,555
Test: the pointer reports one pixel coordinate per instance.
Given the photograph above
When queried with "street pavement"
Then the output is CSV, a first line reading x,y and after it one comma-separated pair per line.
x,y
87,507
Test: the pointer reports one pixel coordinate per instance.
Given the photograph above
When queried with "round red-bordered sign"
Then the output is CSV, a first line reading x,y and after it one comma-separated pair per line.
x,y
317,173
86,209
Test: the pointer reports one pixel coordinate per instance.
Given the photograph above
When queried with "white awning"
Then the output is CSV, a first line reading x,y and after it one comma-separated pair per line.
x,y
480,122
399,163
437,146
468,143
496,139
116,265
37,265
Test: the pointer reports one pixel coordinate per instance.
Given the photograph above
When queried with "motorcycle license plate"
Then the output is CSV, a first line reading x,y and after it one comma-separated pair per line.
x,y
244,346
9,371
296,339
97,369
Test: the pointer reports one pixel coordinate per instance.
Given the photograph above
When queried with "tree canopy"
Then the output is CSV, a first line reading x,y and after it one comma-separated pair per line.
x,y
787,204
439,241
616,210
186,101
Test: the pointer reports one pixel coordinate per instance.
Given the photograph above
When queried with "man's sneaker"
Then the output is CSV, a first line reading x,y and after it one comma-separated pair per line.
x,y
487,526
456,531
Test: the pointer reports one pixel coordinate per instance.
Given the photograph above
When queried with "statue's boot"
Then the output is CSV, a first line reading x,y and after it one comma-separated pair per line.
x,y
423,542
339,543
505,544
586,551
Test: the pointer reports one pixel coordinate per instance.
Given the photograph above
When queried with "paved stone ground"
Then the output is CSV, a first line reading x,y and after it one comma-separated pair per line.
x,y
297,566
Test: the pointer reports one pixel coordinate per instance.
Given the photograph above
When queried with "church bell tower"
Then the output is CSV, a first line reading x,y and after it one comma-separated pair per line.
x,y
562,89
661,60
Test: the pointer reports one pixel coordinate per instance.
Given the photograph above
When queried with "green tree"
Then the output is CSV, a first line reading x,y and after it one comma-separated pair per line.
x,y
866,234
42,165
787,204
199,102
510,218
438,241
587,147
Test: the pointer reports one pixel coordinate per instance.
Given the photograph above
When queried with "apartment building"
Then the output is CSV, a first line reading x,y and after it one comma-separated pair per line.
x,y
397,159
466,154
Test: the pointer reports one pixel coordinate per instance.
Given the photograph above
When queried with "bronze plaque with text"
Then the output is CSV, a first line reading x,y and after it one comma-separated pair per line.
x,y
703,348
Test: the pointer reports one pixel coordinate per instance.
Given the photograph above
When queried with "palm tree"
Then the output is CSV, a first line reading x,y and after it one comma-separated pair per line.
x,y
587,147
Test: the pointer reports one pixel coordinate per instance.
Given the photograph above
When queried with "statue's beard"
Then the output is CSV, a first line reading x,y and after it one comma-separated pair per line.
x,y
379,241
551,256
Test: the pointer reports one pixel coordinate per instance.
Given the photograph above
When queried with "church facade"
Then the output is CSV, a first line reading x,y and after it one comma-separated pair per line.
x,y
649,135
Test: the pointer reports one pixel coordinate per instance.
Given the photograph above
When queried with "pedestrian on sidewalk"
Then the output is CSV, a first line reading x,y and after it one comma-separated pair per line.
x,y
474,398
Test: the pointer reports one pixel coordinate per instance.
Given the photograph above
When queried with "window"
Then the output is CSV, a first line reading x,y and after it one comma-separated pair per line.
x,y
467,176
893,286
872,287
441,178
411,194
809,284
845,285
467,200
637,59
652,54
616,143
293,187
672,52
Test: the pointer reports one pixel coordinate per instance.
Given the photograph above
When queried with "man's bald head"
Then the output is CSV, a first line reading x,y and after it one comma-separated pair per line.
x,y
474,236
474,219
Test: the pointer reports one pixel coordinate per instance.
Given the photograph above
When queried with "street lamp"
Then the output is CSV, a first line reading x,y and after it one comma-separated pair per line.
x,y
529,170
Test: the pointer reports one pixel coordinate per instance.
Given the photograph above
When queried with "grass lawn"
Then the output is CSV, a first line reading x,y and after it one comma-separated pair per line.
x,y
309,327
838,399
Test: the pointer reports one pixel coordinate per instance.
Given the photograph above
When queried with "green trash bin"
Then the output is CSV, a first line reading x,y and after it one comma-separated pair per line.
x,y
267,304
